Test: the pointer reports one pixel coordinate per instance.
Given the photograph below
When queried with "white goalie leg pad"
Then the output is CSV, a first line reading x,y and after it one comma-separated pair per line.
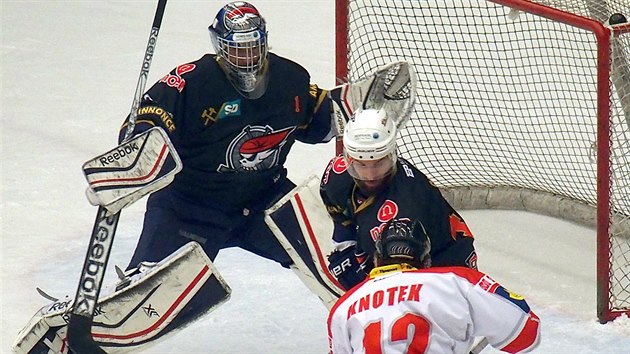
x,y
142,165
301,224
134,313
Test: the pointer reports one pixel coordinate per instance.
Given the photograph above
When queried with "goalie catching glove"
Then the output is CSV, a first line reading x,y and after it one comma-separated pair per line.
x,y
348,266
390,88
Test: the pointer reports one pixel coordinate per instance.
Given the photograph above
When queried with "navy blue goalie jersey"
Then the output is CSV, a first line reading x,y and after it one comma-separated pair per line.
x,y
233,148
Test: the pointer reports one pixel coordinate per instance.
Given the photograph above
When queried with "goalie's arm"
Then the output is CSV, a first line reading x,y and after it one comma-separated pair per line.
x,y
319,128
150,115
161,106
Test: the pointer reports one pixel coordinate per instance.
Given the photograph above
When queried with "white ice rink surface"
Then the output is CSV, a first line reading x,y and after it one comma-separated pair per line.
x,y
69,71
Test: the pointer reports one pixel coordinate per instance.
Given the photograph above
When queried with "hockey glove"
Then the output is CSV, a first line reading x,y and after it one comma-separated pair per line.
x,y
346,267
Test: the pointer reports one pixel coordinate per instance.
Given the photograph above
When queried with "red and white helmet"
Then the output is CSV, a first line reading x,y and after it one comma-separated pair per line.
x,y
239,37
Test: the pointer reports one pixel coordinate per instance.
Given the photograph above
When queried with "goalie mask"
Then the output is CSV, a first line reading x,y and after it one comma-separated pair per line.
x,y
239,38
369,142
404,240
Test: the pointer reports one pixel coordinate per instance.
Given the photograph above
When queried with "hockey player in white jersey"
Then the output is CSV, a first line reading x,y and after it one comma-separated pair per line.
x,y
405,306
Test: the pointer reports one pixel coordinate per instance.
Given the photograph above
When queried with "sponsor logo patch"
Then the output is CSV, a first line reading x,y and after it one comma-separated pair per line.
x,y
229,109
175,80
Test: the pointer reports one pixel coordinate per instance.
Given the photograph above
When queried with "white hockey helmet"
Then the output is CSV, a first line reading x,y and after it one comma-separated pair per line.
x,y
239,37
370,137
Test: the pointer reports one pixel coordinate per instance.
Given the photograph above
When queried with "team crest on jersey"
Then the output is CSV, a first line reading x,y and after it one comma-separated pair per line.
x,y
176,81
256,148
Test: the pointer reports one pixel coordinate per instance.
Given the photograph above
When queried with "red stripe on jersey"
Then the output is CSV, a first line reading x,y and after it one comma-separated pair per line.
x,y
527,337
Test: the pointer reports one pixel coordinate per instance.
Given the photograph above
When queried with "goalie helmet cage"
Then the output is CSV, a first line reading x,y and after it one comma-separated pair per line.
x,y
520,105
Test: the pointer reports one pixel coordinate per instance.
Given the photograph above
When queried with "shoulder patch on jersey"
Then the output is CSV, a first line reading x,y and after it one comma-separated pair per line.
x,y
312,90
339,165
161,113
175,80
490,285
514,298
407,169
459,228
486,283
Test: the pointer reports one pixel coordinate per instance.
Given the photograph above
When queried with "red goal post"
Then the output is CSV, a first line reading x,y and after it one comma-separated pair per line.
x,y
520,105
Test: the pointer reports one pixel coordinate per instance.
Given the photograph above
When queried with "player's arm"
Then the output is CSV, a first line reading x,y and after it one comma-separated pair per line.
x,y
159,107
460,250
320,128
503,317
338,337
457,248
347,261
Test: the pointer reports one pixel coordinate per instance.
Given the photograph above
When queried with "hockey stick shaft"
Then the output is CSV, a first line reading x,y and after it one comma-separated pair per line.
x,y
144,70
479,346
90,283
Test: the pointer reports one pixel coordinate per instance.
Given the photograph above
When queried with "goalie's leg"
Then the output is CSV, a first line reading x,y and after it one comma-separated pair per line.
x,y
301,224
170,222
138,311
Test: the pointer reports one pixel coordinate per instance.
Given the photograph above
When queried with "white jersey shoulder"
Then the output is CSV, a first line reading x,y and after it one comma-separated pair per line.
x,y
437,304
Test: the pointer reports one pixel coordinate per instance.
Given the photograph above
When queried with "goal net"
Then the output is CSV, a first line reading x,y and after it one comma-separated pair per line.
x,y
520,105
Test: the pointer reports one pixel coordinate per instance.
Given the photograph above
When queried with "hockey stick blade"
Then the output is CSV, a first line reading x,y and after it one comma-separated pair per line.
x,y
79,333
80,338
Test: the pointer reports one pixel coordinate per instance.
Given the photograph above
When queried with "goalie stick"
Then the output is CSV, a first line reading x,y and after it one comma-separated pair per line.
x,y
479,345
80,323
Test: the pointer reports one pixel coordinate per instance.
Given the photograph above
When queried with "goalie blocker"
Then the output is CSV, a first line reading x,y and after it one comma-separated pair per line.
x,y
142,165
140,309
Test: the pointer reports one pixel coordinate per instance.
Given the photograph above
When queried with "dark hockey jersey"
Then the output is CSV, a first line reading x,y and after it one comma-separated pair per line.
x,y
232,148
409,194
